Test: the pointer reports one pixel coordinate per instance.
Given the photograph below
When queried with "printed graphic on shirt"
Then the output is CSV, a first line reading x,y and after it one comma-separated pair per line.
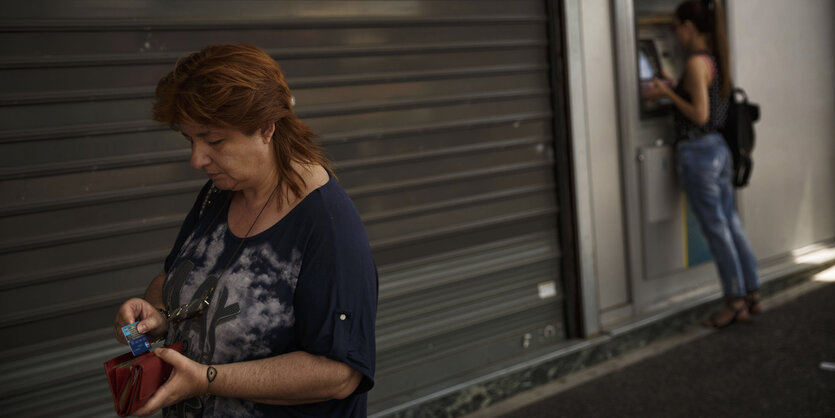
x,y
249,314
268,303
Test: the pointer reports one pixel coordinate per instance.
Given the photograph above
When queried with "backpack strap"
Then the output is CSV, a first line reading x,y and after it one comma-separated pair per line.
x,y
207,200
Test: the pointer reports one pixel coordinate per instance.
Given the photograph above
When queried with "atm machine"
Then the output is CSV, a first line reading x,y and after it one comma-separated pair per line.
x,y
667,253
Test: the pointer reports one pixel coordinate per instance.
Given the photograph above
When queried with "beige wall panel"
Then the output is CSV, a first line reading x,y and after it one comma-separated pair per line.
x,y
785,53
602,128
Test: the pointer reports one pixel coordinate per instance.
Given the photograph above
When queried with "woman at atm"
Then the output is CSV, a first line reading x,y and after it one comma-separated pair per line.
x,y
703,159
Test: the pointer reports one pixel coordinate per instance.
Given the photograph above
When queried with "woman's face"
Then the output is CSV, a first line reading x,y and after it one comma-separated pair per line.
x,y
230,158
682,32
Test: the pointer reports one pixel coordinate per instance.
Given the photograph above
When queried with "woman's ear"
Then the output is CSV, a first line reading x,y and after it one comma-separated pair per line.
x,y
689,26
267,132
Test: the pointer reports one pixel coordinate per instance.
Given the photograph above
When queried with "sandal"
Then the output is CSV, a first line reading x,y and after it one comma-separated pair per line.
x,y
752,300
740,313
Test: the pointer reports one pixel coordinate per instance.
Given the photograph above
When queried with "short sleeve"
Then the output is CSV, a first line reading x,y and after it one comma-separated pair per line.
x,y
335,302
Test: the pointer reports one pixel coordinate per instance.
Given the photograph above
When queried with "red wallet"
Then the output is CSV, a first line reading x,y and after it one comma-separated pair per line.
x,y
133,379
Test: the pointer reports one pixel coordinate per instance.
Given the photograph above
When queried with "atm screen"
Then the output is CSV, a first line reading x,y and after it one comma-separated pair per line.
x,y
649,64
649,67
645,71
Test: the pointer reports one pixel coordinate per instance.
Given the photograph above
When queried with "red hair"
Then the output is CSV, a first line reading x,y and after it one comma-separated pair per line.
x,y
239,87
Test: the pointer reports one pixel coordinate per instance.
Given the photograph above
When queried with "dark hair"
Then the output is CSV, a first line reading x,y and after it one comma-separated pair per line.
x,y
239,87
708,16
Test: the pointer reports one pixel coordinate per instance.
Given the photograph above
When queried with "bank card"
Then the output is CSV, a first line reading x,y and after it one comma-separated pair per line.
x,y
138,342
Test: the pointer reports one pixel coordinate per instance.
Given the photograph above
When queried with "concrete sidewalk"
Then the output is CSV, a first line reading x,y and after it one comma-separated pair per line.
x,y
771,366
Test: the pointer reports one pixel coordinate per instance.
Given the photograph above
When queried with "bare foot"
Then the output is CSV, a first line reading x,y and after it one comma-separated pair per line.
x,y
735,310
752,300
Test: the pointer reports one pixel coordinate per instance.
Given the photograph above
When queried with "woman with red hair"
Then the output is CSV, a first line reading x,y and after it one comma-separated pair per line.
x,y
270,284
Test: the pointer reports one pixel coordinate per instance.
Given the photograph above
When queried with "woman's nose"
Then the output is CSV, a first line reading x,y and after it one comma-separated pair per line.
x,y
199,156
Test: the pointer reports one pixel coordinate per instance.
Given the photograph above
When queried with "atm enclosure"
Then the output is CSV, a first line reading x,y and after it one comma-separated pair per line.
x,y
667,254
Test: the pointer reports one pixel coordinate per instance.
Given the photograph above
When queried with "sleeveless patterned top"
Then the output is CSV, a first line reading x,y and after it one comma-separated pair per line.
x,y
686,128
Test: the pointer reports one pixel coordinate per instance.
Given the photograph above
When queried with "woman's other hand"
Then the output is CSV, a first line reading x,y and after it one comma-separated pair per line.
x,y
151,321
658,88
187,380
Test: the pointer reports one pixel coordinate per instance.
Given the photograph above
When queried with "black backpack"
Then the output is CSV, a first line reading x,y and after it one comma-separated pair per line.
x,y
739,134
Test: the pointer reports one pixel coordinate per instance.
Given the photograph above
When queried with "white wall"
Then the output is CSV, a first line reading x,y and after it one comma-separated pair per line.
x,y
784,58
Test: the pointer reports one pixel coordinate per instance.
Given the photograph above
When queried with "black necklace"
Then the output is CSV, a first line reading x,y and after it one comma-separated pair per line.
x,y
199,304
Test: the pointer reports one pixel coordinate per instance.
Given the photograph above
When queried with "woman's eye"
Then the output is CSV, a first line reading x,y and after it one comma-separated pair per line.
x,y
215,143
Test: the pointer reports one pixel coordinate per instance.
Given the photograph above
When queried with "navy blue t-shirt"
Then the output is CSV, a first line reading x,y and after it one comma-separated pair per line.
x,y
307,283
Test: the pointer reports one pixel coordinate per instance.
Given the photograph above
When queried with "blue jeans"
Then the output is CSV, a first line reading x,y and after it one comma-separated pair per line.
x,y
704,167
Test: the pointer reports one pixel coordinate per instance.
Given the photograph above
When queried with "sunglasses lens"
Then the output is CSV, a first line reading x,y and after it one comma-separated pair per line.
x,y
193,308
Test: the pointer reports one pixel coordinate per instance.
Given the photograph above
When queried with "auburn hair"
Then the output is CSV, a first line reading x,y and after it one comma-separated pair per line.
x,y
239,86
708,16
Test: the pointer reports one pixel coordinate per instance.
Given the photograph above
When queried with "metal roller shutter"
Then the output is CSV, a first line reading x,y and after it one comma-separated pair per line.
x,y
437,115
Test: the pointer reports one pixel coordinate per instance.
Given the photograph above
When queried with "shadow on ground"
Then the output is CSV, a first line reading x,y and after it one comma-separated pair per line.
x,y
767,367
